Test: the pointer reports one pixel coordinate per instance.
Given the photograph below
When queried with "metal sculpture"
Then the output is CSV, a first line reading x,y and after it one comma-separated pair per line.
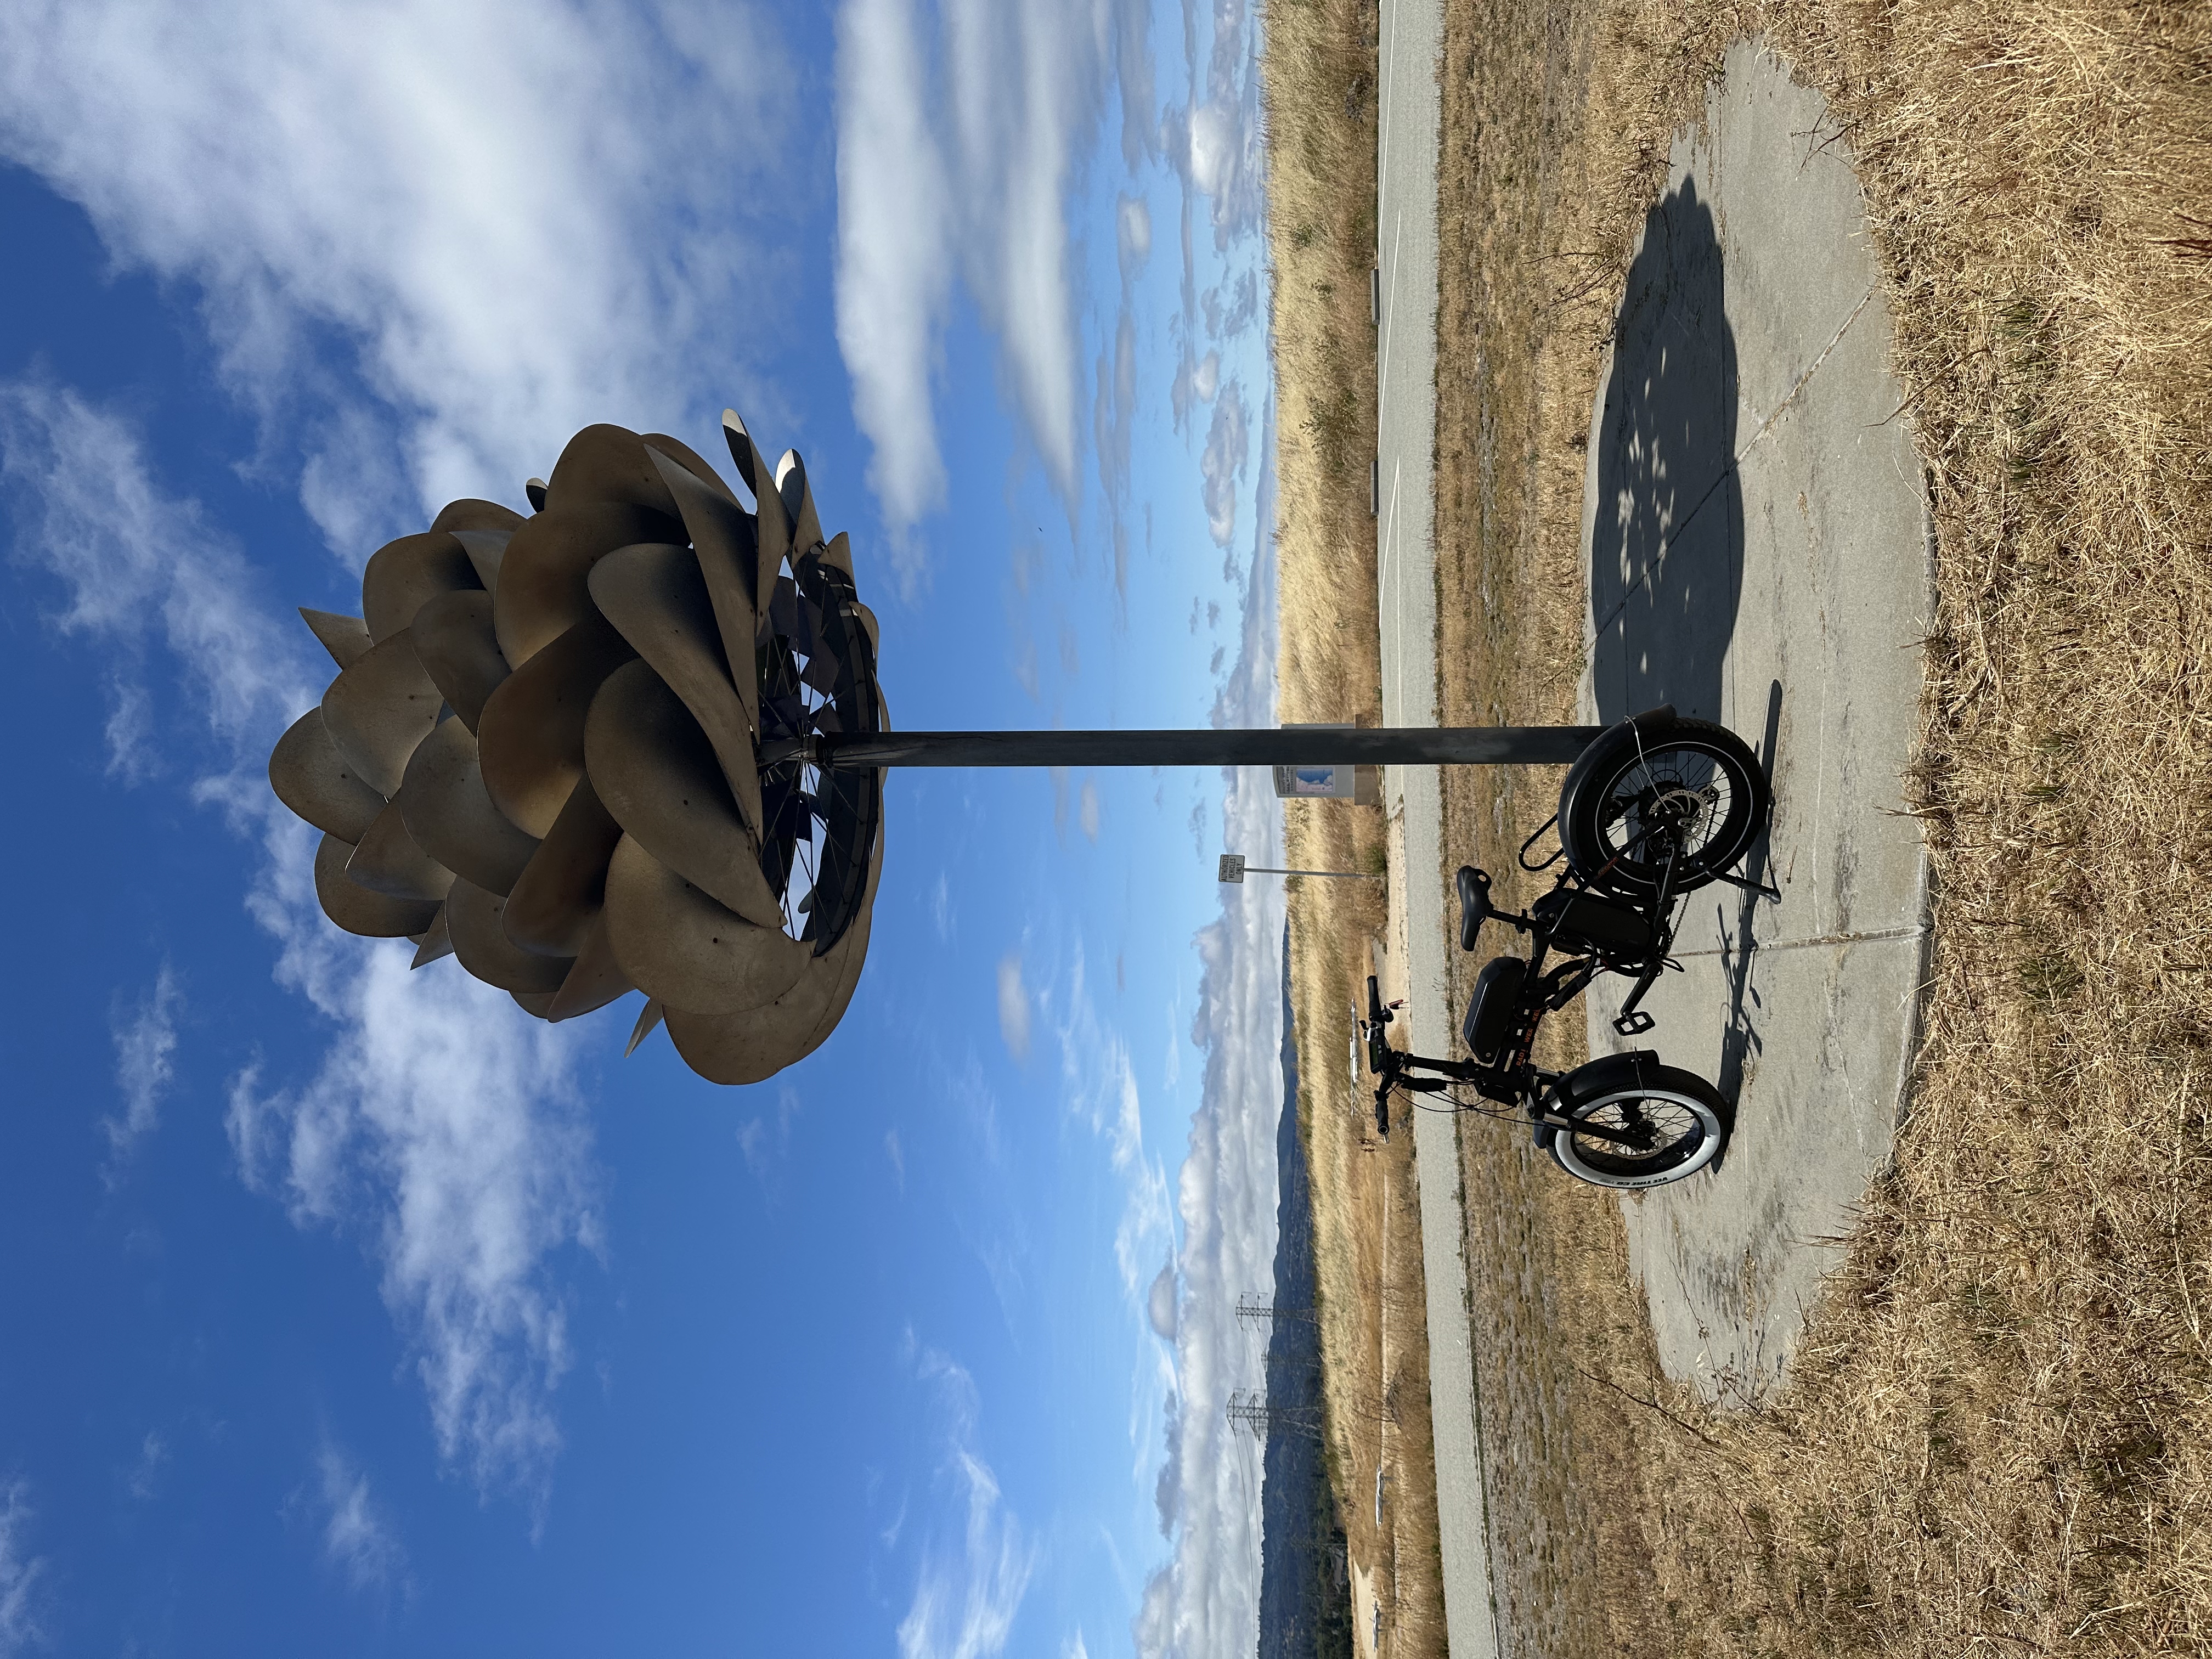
x,y
543,753
636,740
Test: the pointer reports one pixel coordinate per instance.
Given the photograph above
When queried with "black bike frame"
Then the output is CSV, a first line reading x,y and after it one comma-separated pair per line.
x,y
1510,1079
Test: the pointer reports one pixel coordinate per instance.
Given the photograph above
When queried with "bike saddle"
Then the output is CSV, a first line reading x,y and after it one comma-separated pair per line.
x,y
1491,1011
1473,904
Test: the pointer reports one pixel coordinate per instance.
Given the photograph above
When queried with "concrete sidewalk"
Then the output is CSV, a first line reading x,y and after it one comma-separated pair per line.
x,y
1758,550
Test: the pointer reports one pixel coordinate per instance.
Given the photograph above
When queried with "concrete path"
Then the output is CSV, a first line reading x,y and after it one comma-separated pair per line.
x,y
1758,551
1411,43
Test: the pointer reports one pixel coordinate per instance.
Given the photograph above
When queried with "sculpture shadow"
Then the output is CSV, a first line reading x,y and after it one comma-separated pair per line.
x,y
1667,547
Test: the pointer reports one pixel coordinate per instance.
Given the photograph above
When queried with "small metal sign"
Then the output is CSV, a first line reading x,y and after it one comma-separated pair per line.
x,y
1323,782
1232,866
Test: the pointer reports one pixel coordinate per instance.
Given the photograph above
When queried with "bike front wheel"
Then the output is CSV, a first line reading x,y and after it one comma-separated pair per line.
x,y
1637,1125
1692,795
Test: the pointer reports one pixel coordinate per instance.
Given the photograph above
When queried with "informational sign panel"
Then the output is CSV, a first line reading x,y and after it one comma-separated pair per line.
x,y
1324,782
1359,783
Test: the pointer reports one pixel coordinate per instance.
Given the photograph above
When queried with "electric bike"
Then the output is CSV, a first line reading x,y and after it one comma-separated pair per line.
x,y
1655,809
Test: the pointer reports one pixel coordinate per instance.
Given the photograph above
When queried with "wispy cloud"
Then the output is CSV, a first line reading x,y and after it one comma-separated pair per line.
x,y
1205,1599
358,1539
955,153
1228,447
145,1045
1133,233
765,1138
895,256
440,1127
1014,1005
139,570
146,1474
418,265
22,1623
966,1596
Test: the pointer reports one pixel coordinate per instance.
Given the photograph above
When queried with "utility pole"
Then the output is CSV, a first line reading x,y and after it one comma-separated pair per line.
x,y
1251,1409
1233,869
1253,1306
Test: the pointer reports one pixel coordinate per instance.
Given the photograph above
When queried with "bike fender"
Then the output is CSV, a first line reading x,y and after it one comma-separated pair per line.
x,y
1606,1072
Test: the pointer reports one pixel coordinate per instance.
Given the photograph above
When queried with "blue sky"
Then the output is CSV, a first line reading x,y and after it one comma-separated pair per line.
x,y
352,1311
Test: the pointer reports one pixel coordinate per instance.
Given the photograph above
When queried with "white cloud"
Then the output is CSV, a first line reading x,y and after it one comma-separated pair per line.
x,y
894,252
1014,1005
981,188
1160,1303
1205,379
152,1452
1133,233
414,184
21,1593
1228,446
897,1152
357,1536
145,1043
1217,145
1075,1649
965,1598
442,1130
139,569
440,1127
766,1144
1205,1599
1087,810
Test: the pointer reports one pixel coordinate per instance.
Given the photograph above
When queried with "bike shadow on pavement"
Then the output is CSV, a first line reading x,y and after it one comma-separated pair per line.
x,y
1666,544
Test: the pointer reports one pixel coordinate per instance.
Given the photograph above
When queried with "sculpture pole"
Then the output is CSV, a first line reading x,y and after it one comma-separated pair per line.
x,y
1465,745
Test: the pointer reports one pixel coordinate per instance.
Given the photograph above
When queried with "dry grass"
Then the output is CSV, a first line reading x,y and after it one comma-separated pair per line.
x,y
1997,1437
1320,90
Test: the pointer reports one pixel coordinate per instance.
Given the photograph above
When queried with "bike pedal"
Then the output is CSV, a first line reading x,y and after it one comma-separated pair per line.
x,y
1635,1024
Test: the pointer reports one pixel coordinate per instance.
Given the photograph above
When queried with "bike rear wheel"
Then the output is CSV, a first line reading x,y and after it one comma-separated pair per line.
x,y
1691,791
1680,1119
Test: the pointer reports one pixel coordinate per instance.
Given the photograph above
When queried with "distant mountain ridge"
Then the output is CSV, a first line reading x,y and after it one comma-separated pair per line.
x,y
1305,1606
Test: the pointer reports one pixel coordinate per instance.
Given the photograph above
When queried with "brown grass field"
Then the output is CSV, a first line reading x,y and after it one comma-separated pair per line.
x,y
1321,91
1996,1437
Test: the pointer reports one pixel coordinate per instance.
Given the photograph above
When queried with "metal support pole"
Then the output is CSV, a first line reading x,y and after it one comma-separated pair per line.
x,y
1427,745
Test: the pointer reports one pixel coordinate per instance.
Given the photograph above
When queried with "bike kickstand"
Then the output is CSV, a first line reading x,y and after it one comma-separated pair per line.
x,y
1763,888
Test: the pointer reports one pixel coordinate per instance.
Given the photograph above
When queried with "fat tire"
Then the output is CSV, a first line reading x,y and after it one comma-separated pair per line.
x,y
1602,1083
1604,765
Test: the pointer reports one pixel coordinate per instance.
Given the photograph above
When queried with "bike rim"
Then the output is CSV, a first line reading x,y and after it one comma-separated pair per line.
x,y
1678,798
1685,1133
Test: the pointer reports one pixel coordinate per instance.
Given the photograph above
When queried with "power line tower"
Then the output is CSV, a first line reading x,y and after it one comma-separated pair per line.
x,y
1261,1309
1251,1409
